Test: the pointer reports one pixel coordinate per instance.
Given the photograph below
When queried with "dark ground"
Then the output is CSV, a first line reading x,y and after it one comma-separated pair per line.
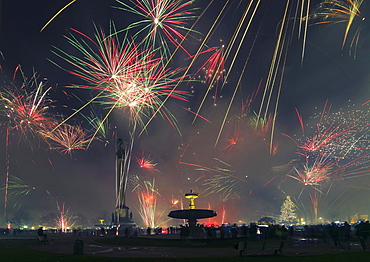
x,y
93,246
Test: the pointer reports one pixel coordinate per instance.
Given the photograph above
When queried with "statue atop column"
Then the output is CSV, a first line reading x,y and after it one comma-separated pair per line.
x,y
121,214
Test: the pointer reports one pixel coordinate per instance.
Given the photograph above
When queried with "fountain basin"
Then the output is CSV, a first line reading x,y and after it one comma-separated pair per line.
x,y
192,214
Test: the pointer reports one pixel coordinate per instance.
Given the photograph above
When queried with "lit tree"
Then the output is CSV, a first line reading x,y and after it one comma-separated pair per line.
x,y
287,211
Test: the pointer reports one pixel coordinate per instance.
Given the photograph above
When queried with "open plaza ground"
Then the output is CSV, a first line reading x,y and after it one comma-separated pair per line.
x,y
163,247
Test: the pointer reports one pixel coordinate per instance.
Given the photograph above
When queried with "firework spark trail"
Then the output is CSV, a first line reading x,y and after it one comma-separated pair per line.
x,y
67,138
175,202
61,10
163,19
223,185
340,11
261,126
304,11
204,168
325,138
227,53
223,216
335,133
183,152
192,61
241,75
327,167
193,155
213,68
246,15
274,66
25,111
63,219
238,123
126,77
199,116
336,199
336,150
202,45
247,104
146,163
233,140
7,159
313,175
147,196
315,203
277,67
16,188
99,127
223,182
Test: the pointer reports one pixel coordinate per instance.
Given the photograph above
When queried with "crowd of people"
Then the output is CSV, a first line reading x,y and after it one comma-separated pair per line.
x,y
338,234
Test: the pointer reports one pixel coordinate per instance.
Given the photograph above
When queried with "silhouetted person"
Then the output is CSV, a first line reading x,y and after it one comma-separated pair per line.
x,y
362,232
253,231
40,233
334,234
244,231
234,231
127,232
102,231
222,232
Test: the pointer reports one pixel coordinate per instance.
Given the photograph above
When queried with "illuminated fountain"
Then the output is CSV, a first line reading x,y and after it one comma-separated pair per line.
x,y
192,214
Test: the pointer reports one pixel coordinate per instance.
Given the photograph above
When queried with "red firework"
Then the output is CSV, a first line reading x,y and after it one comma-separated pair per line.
x,y
336,149
326,137
27,112
146,163
214,67
148,199
313,175
125,77
233,140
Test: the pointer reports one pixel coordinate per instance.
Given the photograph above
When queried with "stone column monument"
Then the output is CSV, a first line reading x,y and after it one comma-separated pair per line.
x,y
121,217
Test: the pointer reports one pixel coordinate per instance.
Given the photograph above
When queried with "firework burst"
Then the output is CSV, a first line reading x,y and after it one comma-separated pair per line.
x,y
17,188
100,127
163,21
224,181
213,69
340,11
26,108
146,162
147,195
124,76
335,150
63,219
67,138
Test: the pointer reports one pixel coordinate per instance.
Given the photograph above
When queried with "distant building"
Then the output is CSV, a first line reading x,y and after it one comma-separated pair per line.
x,y
266,220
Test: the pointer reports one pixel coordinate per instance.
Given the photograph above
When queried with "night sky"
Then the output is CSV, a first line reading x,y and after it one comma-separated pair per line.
x,y
84,181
